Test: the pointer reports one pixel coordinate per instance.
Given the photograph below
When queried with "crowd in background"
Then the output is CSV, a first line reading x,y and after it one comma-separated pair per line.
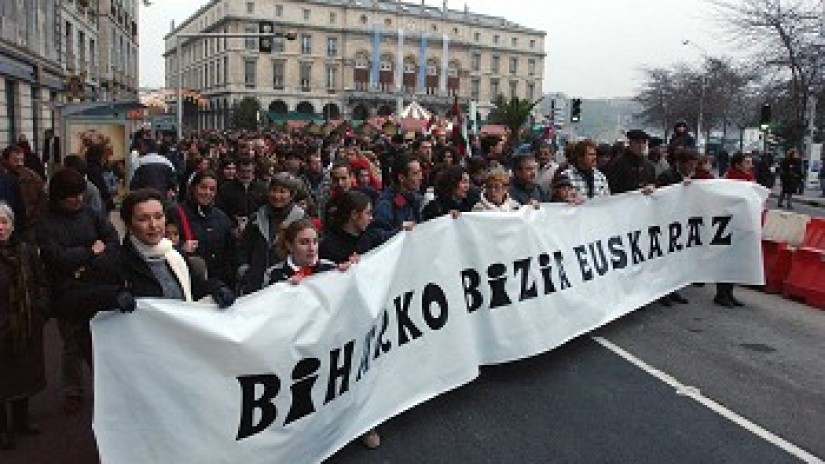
x,y
222,214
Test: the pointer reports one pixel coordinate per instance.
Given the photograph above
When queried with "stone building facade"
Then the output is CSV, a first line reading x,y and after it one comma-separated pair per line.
x,y
352,58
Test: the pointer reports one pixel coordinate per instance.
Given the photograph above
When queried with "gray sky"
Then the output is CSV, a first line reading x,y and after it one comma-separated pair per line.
x,y
595,48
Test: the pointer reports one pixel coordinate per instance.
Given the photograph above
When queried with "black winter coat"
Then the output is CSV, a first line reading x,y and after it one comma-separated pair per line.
x,y
158,176
282,271
525,193
216,244
670,177
237,200
338,245
629,172
790,174
257,247
65,240
439,207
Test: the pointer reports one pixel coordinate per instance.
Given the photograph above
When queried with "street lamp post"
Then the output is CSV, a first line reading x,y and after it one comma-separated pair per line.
x,y
212,35
700,142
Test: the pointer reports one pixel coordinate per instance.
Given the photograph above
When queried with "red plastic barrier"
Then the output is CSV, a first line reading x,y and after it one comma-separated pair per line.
x,y
776,258
806,278
815,234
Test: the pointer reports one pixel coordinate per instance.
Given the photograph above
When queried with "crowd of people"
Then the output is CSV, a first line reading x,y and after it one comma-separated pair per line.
x,y
222,214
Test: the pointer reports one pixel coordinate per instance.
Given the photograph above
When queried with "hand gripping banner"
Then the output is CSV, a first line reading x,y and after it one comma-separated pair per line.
x,y
293,373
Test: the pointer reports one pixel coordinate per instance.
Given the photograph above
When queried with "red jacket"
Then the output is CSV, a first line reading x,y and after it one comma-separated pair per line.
x,y
737,174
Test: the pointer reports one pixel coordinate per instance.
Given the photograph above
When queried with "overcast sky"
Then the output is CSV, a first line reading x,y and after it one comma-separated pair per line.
x,y
595,48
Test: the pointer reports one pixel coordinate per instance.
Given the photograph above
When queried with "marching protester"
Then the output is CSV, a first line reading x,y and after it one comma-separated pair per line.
x,y
32,190
452,185
78,243
241,197
523,187
741,168
790,176
630,170
346,233
257,245
207,231
583,174
298,246
91,196
23,309
496,195
399,206
547,165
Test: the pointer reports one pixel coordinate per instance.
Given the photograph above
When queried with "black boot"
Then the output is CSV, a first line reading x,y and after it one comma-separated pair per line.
x,y
20,420
722,298
7,441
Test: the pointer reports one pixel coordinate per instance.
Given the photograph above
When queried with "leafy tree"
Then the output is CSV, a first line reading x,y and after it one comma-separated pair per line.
x,y
513,114
245,113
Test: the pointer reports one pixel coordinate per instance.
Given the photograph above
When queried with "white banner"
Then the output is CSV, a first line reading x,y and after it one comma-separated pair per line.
x,y
293,373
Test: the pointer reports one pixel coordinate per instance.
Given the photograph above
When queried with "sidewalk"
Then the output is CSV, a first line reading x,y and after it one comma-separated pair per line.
x,y
810,198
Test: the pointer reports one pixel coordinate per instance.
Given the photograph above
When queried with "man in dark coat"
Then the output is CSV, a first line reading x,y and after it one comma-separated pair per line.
x,y
631,170
399,206
241,198
154,171
524,188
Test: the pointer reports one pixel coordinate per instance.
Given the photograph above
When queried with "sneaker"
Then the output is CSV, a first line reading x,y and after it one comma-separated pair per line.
x,y
675,297
371,439
723,301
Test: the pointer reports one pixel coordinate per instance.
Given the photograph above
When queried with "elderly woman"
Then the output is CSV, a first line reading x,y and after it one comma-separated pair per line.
x,y
23,302
496,196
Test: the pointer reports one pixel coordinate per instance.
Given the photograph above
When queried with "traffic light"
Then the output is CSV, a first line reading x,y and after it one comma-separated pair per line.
x,y
265,43
576,110
765,116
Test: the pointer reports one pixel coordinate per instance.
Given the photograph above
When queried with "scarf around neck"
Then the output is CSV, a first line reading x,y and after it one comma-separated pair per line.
x,y
166,251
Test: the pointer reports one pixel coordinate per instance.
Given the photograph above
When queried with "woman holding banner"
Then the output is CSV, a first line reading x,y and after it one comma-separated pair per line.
x,y
298,244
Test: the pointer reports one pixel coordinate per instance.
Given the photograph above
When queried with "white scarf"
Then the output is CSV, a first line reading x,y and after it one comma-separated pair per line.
x,y
166,250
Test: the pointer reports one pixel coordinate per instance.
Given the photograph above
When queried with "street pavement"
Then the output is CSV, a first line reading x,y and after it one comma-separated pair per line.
x,y
583,403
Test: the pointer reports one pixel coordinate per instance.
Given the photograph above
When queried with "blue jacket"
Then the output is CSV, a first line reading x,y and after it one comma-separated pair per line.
x,y
392,210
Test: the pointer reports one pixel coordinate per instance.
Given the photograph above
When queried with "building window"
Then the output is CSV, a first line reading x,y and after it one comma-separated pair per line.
x,y
388,22
514,42
494,64
278,74
496,39
306,72
532,43
475,62
409,67
306,44
494,90
250,7
332,46
306,13
475,89
218,73
251,44
278,44
279,10
435,27
531,67
333,17
531,91
455,31
513,65
364,19
249,68
513,89
386,63
477,36
332,72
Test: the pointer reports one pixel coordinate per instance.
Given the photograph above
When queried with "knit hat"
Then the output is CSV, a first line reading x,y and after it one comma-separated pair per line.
x,y
66,183
287,181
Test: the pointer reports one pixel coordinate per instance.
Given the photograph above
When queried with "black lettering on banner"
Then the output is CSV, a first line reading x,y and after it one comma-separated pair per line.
x,y
382,346
434,294
581,256
655,246
546,268
342,371
304,375
675,232
721,224
564,282
405,324
618,255
528,287
364,365
694,235
598,257
470,281
249,404
633,239
497,275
